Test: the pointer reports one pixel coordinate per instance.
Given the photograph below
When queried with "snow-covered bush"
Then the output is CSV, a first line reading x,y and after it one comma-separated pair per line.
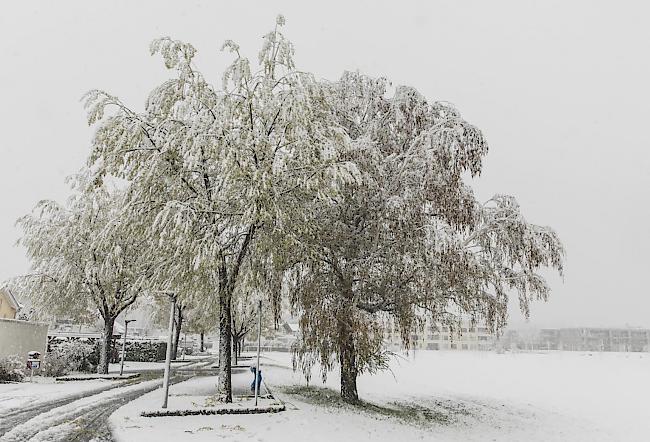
x,y
11,369
68,357
55,363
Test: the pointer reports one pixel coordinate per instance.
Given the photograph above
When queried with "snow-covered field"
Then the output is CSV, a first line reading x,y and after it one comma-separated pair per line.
x,y
442,396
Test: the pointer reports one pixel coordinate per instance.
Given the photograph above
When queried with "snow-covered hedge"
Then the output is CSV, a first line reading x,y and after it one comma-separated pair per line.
x,y
143,351
136,350
12,369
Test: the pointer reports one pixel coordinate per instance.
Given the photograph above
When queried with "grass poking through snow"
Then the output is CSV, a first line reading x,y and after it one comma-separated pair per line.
x,y
437,412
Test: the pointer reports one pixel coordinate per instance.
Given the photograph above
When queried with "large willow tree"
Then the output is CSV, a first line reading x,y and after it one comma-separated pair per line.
x,y
212,170
408,240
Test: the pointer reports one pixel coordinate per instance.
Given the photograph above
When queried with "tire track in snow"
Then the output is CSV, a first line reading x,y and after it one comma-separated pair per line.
x,y
56,422
85,417
16,416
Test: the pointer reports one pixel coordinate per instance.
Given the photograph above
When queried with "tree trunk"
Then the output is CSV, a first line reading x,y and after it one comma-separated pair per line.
x,y
234,349
349,372
178,323
224,386
105,345
202,342
347,358
226,287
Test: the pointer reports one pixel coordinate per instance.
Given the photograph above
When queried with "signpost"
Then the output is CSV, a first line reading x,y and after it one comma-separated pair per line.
x,y
126,327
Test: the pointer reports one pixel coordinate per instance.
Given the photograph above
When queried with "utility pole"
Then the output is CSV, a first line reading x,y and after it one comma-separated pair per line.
x,y
126,327
168,357
259,340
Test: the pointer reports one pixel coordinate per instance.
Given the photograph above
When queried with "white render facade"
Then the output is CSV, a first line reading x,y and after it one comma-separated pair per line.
x,y
466,337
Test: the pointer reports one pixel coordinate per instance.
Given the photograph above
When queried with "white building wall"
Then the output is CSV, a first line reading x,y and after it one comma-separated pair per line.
x,y
21,337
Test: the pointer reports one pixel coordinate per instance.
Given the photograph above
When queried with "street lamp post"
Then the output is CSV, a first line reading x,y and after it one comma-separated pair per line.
x,y
126,327
168,357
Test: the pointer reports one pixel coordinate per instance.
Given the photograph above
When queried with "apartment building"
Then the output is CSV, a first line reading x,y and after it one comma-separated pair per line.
x,y
465,337
582,339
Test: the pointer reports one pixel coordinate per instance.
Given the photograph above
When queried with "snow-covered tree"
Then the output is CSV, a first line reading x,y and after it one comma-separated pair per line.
x,y
211,170
408,239
82,262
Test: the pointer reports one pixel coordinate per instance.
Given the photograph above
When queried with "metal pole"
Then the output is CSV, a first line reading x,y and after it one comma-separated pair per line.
x,y
126,327
259,339
168,357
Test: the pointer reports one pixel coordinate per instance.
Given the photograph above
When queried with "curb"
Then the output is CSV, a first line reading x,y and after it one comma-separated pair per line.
x,y
214,411
108,377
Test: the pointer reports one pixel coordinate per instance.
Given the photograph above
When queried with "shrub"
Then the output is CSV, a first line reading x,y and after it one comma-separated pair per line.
x,y
55,363
68,357
12,369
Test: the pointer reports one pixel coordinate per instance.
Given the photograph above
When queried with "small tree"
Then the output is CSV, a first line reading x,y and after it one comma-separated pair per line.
x,y
203,318
82,263
408,239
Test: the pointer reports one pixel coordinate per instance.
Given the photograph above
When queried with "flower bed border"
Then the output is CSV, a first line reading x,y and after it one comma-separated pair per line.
x,y
213,411
108,377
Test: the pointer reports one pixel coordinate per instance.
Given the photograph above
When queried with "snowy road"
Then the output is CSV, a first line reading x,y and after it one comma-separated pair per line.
x,y
15,417
83,417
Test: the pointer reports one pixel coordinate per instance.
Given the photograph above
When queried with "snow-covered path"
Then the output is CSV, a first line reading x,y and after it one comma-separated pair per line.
x,y
78,413
21,402
58,422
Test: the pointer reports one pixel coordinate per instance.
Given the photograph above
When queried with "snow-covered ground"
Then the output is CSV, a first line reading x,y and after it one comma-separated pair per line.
x,y
198,393
135,366
445,396
45,390
55,424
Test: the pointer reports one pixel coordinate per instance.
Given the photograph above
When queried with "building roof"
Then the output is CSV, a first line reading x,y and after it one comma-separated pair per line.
x,y
11,298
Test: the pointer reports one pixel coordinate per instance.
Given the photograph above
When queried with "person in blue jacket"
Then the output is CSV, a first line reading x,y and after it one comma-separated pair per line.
x,y
259,381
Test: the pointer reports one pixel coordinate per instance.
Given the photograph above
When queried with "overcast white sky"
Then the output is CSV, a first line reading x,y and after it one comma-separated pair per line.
x,y
559,88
